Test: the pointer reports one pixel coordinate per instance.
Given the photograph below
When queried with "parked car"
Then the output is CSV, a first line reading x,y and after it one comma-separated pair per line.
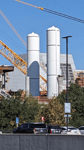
x,y
54,129
71,130
24,128
75,131
31,128
81,128
64,128
40,128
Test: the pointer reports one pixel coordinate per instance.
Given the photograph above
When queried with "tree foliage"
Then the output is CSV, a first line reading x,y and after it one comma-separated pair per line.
x,y
11,108
56,112
29,110
53,113
76,98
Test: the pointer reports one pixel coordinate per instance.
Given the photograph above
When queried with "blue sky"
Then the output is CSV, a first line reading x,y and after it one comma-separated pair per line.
x,y
26,19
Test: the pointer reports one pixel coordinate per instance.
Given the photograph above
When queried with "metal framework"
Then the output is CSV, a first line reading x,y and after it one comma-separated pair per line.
x,y
16,60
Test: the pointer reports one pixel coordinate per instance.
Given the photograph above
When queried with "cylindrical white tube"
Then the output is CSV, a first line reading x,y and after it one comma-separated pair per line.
x,y
58,51
33,63
53,60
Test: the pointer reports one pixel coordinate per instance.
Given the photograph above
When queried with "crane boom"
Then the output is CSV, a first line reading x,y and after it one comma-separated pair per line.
x,y
30,4
2,14
54,12
16,60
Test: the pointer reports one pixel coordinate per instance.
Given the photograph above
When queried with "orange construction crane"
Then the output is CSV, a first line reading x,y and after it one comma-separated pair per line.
x,y
10,55
2,14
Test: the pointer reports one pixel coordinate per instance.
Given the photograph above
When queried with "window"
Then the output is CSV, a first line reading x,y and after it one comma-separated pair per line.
x,y
39,125
81,128
25,125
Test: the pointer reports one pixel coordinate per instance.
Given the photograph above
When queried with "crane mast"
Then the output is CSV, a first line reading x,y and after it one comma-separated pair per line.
x,y
8,22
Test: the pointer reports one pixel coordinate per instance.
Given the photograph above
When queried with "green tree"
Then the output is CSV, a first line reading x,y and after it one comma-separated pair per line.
x,y
9,110
30,109
42,112
52,112
76,97
25,110
56,112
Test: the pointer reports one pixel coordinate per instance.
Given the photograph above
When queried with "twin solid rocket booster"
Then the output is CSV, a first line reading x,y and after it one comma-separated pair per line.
x,y
53,62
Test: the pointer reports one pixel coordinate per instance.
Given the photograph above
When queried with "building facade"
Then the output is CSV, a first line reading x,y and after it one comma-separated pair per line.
x,y
17,80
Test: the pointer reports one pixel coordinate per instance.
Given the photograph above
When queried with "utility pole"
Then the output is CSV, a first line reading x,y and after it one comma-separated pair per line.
x,y
67,72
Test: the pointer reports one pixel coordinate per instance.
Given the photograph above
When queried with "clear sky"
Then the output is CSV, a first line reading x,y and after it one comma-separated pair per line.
x,y
26,19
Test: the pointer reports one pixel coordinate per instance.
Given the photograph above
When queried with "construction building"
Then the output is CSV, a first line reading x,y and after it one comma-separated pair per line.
x,y
17,79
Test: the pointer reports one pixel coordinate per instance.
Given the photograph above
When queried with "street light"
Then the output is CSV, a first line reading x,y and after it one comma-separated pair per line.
x,y
67,71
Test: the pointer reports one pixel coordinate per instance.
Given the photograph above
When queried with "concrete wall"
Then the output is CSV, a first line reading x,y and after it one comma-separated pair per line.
x,y
16,80
41,142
